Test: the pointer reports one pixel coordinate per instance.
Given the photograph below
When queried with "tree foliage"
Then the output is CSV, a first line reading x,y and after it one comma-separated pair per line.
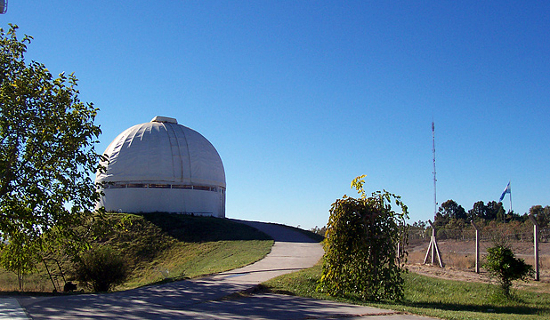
x,y
478,212
453,210
451,217
492,218
502,264
361,246
495,211
47,138
541,214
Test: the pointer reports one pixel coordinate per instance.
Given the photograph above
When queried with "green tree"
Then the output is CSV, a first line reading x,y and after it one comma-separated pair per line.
x,y
361,246
477,212
17,258
502,264
440,220
542,215
494,211
452,210
47,157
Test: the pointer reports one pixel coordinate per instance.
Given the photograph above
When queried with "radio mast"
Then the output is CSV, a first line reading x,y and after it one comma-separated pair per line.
x,y
435,179
433,248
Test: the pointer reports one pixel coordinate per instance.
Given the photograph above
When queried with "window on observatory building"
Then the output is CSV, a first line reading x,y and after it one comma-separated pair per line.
x,y
114,185
136,185
160,186
181,186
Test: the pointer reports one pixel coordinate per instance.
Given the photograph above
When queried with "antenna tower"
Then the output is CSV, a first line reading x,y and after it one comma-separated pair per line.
x,y
435,179
433,247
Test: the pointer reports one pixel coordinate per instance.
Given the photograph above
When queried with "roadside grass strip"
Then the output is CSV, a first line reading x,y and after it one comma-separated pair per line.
x,y
446,299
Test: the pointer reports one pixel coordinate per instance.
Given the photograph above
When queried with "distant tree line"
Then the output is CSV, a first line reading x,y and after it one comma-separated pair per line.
x,y
453,221
450,213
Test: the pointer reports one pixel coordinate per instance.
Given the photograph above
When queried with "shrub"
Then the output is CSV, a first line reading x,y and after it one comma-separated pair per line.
x,y
101,268
502,264
361,256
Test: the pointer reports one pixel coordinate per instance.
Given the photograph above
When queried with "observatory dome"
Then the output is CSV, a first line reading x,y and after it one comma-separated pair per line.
x,y
162,166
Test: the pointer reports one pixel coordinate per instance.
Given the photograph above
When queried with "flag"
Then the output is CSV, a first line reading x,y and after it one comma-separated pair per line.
x,y
508,189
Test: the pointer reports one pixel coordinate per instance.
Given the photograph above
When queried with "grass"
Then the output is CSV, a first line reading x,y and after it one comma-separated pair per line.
x,y
190,260
433,297
164,247
313,236
202,229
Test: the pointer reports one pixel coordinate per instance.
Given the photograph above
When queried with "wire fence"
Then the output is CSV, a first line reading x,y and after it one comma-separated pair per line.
x,y
487,233
458,245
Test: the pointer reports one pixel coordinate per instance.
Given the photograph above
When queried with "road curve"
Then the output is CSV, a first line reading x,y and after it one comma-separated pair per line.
x,y
211,297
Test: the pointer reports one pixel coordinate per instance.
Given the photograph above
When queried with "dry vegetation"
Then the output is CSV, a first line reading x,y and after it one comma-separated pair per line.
x,y
459,259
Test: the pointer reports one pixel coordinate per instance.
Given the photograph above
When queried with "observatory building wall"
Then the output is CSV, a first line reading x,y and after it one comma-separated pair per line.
x,y
146,199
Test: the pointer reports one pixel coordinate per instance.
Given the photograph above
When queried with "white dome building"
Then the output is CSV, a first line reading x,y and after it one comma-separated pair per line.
x,y
162,166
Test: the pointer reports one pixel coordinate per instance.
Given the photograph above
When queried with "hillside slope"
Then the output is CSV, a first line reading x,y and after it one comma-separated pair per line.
x,y
162,247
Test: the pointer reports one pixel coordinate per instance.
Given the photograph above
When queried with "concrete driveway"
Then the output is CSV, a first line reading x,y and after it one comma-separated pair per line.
x,y
209,297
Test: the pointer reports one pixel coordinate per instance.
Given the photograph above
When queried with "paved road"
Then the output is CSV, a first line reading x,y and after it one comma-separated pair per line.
x,y
210,297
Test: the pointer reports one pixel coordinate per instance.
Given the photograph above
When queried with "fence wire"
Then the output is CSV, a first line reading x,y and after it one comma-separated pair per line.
x,y
458,245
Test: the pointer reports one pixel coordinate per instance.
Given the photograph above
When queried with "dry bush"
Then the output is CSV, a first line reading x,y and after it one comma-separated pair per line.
x,y
459,261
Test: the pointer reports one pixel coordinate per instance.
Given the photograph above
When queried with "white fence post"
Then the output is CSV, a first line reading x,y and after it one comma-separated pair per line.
x,y
536,245
477,246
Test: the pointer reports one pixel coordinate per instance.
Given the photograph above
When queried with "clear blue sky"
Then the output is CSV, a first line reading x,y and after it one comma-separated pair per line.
x,y
299,97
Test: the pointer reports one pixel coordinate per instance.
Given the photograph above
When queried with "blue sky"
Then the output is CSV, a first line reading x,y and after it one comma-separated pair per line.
x,y
300,97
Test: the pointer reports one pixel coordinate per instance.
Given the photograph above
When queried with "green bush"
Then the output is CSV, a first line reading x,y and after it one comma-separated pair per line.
x,y
101,268
361,247
502,264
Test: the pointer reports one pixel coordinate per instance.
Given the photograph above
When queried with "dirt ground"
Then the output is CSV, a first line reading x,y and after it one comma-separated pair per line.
x,y
459,262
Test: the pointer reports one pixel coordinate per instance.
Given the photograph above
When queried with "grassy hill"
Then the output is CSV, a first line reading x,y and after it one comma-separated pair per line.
x,y
165,247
